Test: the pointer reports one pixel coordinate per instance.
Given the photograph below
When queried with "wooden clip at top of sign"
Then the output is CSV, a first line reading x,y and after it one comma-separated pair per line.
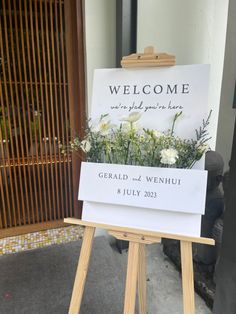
x,y
148,59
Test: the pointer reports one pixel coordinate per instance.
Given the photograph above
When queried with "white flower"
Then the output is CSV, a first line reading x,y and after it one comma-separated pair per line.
x,y
127,127
169,156
37,113
103,127
157,133
85,146
142,138
132,117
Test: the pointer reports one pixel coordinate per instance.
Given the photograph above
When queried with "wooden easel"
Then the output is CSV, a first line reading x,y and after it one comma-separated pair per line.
x,y
136,268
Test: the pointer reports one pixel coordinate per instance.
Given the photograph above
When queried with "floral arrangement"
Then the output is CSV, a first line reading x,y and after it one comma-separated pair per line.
x,y
130,144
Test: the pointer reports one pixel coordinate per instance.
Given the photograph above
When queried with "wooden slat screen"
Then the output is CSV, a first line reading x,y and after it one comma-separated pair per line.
x,y
35,178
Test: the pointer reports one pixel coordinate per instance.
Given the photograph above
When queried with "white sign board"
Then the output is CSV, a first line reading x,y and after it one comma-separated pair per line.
x,y
143,218
178,190
158,93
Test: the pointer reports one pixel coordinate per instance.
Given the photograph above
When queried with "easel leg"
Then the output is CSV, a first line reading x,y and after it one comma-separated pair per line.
x,y
142,285
187,277
131,279
82,270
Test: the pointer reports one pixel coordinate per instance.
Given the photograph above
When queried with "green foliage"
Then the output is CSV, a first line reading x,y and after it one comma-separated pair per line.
x,y
131,145
4,126
34,125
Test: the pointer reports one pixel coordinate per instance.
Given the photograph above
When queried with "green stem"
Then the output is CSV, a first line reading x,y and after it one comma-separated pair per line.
x,y
177,115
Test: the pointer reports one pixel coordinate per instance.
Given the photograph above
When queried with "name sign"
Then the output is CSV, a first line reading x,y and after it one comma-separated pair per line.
x,y
168,189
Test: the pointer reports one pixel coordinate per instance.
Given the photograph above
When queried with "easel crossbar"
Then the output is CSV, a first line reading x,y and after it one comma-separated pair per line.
x,y
201,240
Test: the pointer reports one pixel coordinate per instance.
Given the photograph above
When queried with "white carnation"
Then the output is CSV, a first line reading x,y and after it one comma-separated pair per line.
x,y
169,156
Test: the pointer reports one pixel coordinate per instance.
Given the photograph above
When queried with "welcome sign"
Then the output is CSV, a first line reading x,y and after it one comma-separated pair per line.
x,y
122,195
158,93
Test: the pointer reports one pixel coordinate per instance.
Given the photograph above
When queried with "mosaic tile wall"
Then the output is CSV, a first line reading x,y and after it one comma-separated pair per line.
x,y
39,239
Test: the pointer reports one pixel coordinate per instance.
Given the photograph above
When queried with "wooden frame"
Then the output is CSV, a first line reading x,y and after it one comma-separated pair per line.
x,y
74,12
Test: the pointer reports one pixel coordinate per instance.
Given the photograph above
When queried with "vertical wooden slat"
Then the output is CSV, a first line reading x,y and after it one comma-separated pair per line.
x,y
3,206
56,103
20,143
27,64
3,211
11,137
25,41
67,14
14,100
67,173
61,132
42,29
47,204
18,197
7,201
42,187
50,48
78,107
15,40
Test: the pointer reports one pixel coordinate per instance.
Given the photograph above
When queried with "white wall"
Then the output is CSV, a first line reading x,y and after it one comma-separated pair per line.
x,y
100,36
193,30
227,114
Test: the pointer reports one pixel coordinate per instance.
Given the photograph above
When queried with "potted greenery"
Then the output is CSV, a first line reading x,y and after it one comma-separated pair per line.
x,y
47,143
130,144
4,135
34,130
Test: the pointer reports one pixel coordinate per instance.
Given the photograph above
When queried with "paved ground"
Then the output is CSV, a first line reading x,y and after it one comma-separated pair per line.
x,y
40,281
